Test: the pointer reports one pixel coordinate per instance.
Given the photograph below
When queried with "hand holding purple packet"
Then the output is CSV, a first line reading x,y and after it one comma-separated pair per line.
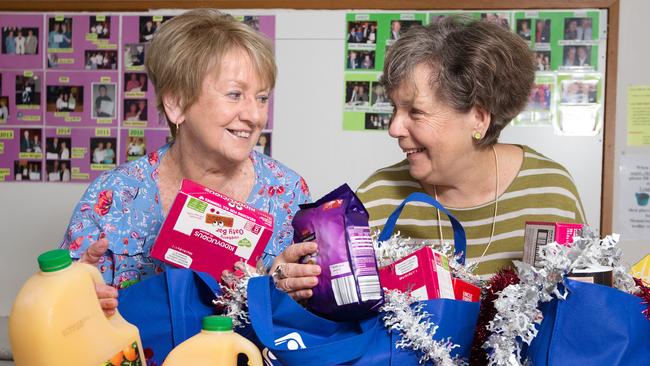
x,y
348,286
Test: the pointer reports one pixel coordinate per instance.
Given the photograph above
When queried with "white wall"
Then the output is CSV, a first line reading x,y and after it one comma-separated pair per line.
x,y
633,69
308,137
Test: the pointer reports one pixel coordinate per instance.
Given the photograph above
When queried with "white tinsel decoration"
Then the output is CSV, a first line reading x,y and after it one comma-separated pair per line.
x,y
517,304
396,248
416,330
234,298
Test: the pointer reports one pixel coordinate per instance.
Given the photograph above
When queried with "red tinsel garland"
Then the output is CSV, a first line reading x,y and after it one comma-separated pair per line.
x,y
498,282
644,294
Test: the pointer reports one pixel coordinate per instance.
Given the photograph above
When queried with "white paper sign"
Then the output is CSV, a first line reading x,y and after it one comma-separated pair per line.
x,y
634,196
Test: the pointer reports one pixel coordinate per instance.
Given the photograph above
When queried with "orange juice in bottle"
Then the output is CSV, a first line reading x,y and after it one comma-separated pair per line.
x,y
57,320
216,345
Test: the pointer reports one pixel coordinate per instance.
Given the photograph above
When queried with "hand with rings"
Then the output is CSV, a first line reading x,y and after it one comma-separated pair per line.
x,y
294,278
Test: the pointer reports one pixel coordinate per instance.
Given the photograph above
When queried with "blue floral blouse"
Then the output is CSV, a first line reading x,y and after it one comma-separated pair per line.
x,y
123,205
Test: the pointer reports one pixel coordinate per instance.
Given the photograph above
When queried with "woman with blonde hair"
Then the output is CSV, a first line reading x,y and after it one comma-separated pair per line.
x,y
213,76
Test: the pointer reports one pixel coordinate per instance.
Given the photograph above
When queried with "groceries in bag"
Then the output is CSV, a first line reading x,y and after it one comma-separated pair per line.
x,y
348,286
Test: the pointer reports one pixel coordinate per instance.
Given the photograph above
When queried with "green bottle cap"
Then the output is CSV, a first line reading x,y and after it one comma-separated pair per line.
x,y
217,323
54,260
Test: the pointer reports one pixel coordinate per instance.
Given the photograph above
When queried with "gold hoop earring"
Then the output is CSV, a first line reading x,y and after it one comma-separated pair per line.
x,y
176,132
477,135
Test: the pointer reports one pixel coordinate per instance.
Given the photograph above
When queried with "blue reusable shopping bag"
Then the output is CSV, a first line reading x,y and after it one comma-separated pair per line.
x,y
291,335
168,309
596,326
455,319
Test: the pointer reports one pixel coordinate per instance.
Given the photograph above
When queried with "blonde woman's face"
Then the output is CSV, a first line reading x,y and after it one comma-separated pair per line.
x,y
231,111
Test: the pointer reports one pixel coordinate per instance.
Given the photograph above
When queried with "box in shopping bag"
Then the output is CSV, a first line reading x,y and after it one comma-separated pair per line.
x,y
425,273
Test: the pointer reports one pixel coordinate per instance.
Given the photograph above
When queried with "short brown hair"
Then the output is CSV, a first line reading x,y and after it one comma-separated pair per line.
x,y
186,47
473,64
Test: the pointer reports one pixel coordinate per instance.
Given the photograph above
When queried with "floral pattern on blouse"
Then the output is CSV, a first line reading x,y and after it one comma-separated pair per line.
x,y
123,205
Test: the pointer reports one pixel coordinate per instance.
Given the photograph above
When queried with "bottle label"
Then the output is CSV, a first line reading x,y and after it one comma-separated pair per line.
x,y
128,356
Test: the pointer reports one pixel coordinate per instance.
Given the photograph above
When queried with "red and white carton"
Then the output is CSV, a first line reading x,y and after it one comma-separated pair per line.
x,y
209,232
466,291
425,273
537,234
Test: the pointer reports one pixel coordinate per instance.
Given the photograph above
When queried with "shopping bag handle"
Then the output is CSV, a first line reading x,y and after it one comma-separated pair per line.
x,y
176,289
460,240
334,353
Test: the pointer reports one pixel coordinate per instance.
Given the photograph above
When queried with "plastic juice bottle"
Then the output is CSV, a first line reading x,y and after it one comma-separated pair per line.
x,y
216,345
57,320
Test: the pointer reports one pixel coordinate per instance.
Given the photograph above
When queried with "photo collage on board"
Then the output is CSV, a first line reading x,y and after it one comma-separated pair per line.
x,y
368,36
568,50
75,99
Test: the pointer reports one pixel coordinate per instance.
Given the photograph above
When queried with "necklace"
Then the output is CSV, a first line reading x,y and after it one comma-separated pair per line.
x,y
496,207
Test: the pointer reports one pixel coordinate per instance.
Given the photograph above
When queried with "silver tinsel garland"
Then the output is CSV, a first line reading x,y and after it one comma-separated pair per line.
x,y
517,304
396,248
416,330
234,298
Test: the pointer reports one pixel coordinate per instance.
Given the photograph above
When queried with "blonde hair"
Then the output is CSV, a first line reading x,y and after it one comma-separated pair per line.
x,y
186,47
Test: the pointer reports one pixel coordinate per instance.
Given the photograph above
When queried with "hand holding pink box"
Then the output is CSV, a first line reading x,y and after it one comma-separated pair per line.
x,y
209,232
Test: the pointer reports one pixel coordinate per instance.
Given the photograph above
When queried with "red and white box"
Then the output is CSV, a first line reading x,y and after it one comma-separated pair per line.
x,y
466,291
425,273
538,234
209,232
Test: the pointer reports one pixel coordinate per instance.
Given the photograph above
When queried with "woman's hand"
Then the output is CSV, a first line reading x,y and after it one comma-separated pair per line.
x,y
106,294
292,277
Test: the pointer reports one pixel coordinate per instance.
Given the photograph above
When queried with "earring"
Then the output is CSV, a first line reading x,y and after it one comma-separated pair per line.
x,y
477,135
176,134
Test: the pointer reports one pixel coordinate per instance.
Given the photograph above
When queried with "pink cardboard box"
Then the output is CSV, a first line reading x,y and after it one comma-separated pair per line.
x,y
537,234
466,291
425,273
209,232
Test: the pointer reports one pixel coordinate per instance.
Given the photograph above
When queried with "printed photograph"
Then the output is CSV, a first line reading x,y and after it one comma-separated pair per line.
x,y
356,93
134,54
136,147
58,148
578,29
362,60
59,33
100,60
377,121
577,56
28,90
135,82
104,97
263,144
66,98
149,25
102,28
362,32
579,91
20,40
102,150
135,110
30,140
57,171
523,29
26,170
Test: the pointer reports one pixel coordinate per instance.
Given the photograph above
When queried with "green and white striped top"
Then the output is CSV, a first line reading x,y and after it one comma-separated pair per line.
x,y
543,190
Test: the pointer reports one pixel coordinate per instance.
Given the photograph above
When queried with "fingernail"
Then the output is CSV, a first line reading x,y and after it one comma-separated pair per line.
x,y
102,235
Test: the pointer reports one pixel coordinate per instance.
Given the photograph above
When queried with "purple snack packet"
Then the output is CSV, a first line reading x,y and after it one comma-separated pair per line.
x,y
348,286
